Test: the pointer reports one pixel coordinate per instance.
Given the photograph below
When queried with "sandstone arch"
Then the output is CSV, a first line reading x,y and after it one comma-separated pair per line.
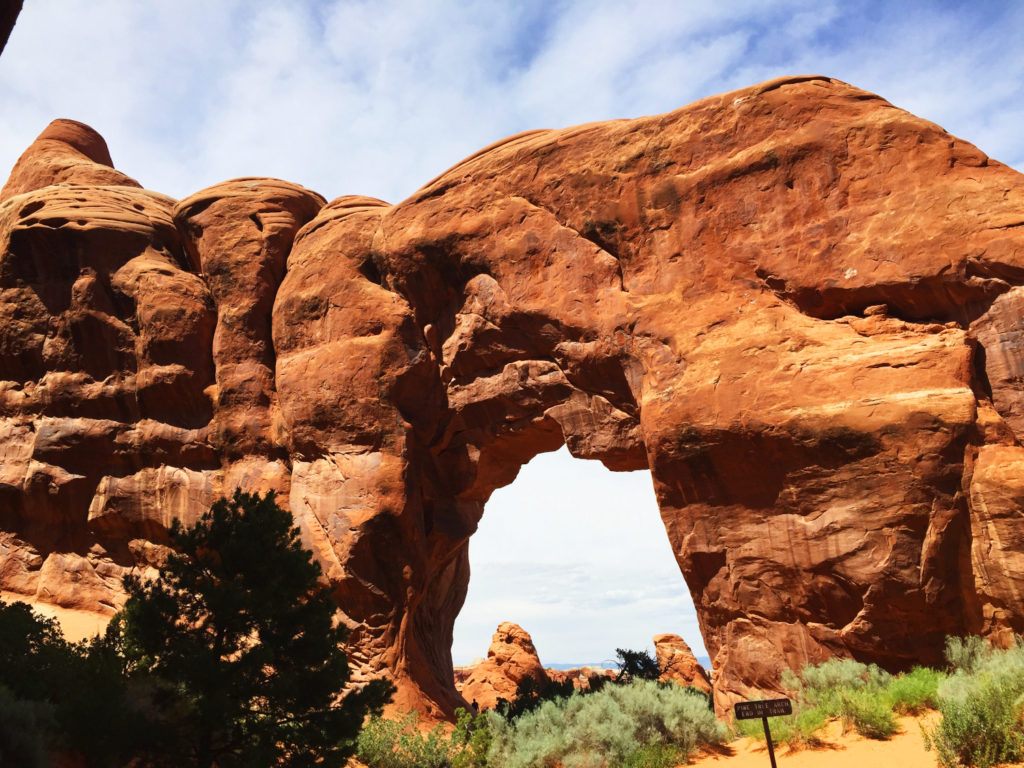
x,y
797,305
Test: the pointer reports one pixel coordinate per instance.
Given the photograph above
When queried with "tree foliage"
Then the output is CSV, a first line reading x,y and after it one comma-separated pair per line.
x,y
237,643
636,665
61,697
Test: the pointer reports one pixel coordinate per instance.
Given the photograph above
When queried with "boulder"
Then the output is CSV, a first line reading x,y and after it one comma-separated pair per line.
x,y
511,658
678,664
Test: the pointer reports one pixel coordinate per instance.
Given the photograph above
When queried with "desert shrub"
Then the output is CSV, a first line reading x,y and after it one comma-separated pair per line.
x,y
865,697
797,731
26,729
966,654
401,744
616,725
529,694
850,690
867,711
981,705
824,684
915,691
655,756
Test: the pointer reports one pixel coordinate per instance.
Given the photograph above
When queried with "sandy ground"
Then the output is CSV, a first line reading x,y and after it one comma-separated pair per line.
x,y
76,625
904,750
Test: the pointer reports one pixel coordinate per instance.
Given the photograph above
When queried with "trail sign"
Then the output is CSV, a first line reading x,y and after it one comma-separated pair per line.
x,y
749,710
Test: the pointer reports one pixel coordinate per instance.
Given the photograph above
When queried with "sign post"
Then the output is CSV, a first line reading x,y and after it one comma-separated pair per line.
x,y
749,710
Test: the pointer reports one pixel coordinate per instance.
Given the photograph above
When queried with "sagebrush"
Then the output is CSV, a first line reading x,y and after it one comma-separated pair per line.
x,y
981,705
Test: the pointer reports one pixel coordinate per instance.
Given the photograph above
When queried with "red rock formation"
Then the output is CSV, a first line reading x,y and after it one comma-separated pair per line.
x,y
796,305
66,152
579,676
678,664
511,658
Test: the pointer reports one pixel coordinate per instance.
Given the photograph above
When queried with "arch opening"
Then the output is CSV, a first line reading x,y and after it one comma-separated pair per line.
x,y
578,556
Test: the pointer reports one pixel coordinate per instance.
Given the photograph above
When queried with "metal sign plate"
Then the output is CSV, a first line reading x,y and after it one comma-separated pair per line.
x,y
748,710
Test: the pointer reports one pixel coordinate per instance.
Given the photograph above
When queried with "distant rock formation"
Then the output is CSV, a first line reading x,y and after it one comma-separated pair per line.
x,y
797,306
678,664
579,676
510,658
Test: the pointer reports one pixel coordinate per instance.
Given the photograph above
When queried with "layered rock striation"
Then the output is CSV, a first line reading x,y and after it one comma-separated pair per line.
x,y
796,305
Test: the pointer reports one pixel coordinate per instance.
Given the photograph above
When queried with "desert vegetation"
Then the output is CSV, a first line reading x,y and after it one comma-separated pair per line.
x,y
638,724
632,721
977,707
865,698
230,657
982,705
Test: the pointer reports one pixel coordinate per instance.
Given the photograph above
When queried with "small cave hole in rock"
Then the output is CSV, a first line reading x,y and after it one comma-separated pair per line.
x,y
577,555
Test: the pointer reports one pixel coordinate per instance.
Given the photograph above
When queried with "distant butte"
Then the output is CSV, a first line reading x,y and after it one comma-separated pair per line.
x,y
797,306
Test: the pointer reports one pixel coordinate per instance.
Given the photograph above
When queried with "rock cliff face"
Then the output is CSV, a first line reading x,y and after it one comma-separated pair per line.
x,y
797,306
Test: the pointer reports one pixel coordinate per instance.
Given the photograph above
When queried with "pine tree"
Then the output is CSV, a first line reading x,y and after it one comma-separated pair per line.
x,y
237,644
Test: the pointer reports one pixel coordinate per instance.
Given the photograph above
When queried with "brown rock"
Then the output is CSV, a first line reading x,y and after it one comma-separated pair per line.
x,y
795,304
579,676
678,664
510,659
66,152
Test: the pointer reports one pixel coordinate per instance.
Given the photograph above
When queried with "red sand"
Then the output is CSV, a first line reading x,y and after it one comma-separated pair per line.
x,y
904,750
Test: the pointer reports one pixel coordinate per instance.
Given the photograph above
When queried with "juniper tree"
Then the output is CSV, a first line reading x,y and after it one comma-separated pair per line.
x,y
237,642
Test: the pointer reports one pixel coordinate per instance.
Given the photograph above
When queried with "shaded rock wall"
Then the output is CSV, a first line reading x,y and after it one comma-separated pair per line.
x,y
795,304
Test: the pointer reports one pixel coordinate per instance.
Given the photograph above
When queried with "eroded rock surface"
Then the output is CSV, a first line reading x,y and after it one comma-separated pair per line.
x,y
796,305
678,664
510,658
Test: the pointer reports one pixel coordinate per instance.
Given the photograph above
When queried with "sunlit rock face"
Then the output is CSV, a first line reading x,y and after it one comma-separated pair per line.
x,y
796,305
678,664
511,658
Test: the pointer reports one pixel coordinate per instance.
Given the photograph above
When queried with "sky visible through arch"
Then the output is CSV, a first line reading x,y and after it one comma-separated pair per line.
x,y
377,98
577,555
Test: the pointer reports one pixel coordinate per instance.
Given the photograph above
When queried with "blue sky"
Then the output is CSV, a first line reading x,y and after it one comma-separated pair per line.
x,y
379,97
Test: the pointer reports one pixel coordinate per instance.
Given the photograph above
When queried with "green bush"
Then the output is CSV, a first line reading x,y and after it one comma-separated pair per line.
x,y
824,685
850,690
796,731
966,654
916,691
655,756
981,705
616,725
26,731
529,694
401,744
867,711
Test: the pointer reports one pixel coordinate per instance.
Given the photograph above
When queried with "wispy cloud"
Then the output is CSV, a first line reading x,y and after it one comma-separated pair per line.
x,y
377,98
